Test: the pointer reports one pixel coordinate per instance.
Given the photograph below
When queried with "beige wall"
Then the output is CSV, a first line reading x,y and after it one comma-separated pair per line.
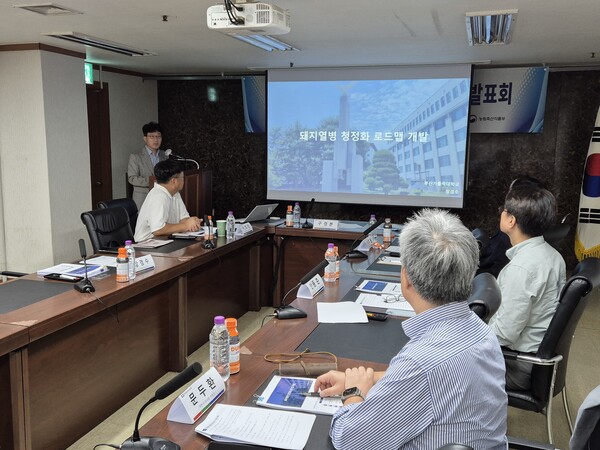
x,y
133,102
44,152
27,240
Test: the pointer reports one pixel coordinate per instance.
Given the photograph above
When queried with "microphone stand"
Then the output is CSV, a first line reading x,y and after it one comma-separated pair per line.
x,y
208,243
290,312
155,443
84,285
306,223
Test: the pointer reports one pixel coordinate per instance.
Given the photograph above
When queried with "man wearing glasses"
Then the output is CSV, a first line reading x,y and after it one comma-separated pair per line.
x,y
141,165
531,282
447,383
163,212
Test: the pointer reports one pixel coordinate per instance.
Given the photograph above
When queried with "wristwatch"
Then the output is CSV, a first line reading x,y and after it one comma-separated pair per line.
x,y
352,392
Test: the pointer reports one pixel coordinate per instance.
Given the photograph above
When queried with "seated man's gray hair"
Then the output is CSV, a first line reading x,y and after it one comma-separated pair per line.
x,y
440,256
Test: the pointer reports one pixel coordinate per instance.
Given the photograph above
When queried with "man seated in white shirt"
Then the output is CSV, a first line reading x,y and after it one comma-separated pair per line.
x,y
163,211
447,384
532,280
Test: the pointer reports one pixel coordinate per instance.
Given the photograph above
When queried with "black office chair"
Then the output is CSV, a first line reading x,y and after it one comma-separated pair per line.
x,y
108,228
586,435
481,237
556,233
550,361
127,203
485,296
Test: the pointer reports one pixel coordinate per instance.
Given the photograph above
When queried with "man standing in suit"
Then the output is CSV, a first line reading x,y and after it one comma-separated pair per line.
x,y
141,165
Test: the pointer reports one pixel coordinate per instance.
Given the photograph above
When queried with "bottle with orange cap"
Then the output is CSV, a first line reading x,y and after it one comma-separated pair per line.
x,y
234,345
122,266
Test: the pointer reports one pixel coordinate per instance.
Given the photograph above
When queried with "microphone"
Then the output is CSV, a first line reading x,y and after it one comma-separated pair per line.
x,y
84,285
208,243
170,154
289,312
306,223
155,443
355,253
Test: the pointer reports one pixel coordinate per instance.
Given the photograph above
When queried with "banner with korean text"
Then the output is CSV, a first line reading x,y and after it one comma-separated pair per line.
x,y
508,100
587,236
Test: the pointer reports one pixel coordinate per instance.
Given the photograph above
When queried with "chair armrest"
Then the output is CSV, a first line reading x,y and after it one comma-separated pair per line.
x,y
526,357
525,444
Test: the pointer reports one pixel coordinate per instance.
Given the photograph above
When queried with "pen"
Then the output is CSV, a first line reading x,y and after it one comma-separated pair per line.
x,y
317,394
68,277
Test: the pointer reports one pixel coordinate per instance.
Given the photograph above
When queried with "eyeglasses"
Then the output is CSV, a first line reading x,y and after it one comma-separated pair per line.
x,y
154,136
392,298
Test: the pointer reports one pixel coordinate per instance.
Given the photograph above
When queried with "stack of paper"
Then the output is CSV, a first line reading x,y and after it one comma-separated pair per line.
x,y
75,270
244,424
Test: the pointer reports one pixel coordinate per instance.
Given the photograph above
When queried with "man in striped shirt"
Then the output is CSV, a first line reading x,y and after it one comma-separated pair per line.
x,y
447,384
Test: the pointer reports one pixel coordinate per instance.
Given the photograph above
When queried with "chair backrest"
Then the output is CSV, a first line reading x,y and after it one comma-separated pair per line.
x,y
557,340
481,237
485,296
556,233
107,227
127,203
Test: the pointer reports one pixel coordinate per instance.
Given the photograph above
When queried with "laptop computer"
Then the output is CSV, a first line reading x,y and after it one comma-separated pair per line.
x,y
260,212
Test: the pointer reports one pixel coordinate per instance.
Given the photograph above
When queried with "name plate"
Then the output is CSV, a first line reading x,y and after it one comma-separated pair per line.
x,y
243,228
196,399
366,244
143,263
326,224
311,288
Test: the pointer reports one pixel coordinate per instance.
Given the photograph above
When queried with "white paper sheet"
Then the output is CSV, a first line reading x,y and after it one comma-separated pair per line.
x,y
268,427
341,312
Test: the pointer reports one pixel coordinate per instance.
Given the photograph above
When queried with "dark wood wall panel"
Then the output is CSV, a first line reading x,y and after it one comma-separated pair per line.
x,y
213,133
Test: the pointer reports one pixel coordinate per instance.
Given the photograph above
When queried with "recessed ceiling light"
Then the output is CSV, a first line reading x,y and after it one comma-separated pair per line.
x,y
103,44
48,9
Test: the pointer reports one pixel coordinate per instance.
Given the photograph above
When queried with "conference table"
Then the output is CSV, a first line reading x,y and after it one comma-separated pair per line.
x,y
284,336
68,359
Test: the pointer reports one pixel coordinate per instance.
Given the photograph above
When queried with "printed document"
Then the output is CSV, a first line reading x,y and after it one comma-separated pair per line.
x,y
152,243
286,393
244,424
379,287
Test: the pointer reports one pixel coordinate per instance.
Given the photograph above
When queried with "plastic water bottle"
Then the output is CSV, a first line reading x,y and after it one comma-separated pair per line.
x,y
122,266
372,221
289,217
234,345
131,258
387,230
230,226
297,215
337,262
219,347
329,276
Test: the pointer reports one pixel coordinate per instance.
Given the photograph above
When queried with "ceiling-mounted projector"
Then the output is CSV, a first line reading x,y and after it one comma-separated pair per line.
x,y
258,18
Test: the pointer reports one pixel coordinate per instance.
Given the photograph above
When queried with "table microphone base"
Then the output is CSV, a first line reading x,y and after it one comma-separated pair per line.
x,y
355,254
150,443
307,224
208,244
289,312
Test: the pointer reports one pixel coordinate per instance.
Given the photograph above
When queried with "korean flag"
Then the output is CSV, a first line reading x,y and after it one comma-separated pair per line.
x,y
587,237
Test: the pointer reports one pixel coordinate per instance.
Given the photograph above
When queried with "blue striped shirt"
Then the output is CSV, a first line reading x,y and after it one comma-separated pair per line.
x,y
445,386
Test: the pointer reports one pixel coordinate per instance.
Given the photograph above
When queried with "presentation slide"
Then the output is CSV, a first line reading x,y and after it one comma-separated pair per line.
x,y
387,135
